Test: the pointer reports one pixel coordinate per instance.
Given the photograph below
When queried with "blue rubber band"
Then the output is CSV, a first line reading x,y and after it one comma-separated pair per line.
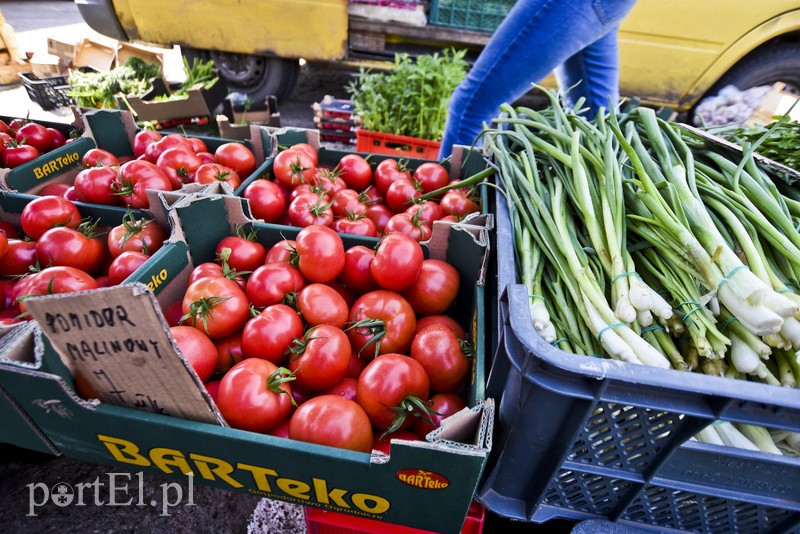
x,y
718,422
690,312
535,296
610,327
730,274
623,275
596,356
726,322
652,328
559,340
787,290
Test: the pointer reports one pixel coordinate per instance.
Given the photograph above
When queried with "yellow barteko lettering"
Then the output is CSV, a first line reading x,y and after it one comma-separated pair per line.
x,y
241,475
54,165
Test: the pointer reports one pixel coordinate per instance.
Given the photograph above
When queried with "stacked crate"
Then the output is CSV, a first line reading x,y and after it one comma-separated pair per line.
x,y
335,119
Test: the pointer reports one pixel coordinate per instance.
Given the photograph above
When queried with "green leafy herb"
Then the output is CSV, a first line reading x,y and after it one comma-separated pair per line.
x,y
412,98
100,89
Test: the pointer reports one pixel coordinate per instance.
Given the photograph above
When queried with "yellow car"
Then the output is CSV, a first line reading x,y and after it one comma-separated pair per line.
x,y
672,52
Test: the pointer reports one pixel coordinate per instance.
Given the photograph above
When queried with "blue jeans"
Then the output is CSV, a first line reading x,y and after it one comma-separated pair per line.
x,y
577,38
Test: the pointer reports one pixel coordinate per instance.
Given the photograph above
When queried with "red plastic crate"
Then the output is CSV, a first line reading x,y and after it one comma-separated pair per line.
x,y
324,522
396,145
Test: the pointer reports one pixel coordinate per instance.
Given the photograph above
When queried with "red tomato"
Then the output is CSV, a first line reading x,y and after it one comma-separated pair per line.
x,y
206,157
9,230
270,283
443,320
125,265
198,145
355,225
410,225
266,200
280,251
179,164
319,360
401,195
356,273
308,210
93,185
431,176
173,313
4,127
328,181
381,322
140,235
389,171
68,247
229,351
211,270
236,156
3,244
345,202
435,289
428,211
16,155
333,421
241,253
255,395
458,204
346,387
135,178
380,215
355,171
19,258
309,150
212,173
391,388
56,190
35,135
442,406
269,335
439,351
355,366
143,139
197,349
213,389
57,137
97,157
43,213
321,304
155,149
293,167
397,263
216,306
320,253
57,280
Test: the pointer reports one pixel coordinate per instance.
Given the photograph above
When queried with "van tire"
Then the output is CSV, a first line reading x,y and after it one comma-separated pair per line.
x,y
776,62
257,76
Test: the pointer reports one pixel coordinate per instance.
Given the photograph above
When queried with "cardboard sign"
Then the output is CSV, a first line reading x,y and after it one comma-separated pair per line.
x,y
123,350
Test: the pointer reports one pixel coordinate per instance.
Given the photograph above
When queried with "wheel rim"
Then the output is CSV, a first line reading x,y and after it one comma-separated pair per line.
x,y
245,70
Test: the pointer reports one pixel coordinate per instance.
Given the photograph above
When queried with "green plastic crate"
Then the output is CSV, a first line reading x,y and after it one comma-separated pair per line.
x,y
470,14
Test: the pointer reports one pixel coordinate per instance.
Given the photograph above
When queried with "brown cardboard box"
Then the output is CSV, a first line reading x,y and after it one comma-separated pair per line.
x,y
775,103
101,56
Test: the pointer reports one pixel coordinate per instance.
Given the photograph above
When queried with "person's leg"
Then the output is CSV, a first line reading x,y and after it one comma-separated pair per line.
x,y
592,74
535,37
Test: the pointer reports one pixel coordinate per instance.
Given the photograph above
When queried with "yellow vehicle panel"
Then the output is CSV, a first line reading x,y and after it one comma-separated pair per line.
x,y
311,29
671,52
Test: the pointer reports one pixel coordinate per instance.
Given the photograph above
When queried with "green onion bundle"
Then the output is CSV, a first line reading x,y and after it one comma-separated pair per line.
x,y
638,241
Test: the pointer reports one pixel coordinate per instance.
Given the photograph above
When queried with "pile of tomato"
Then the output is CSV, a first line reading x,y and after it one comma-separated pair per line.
x,y
22,141
318,343
160,162
57,250
352,198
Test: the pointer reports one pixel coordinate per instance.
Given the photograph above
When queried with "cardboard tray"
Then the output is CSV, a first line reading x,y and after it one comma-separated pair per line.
x,y
427,485
65,160
199,102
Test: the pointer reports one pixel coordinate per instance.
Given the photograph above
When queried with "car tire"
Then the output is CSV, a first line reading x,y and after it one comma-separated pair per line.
x,y
257,76
777,62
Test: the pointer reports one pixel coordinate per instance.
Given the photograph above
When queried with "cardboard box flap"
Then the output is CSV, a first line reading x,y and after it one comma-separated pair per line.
x,y
471,427
17,346
131,364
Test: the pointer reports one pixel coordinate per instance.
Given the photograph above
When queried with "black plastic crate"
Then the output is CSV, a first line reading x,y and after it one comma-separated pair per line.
x,y
480,15
49,93
581,438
